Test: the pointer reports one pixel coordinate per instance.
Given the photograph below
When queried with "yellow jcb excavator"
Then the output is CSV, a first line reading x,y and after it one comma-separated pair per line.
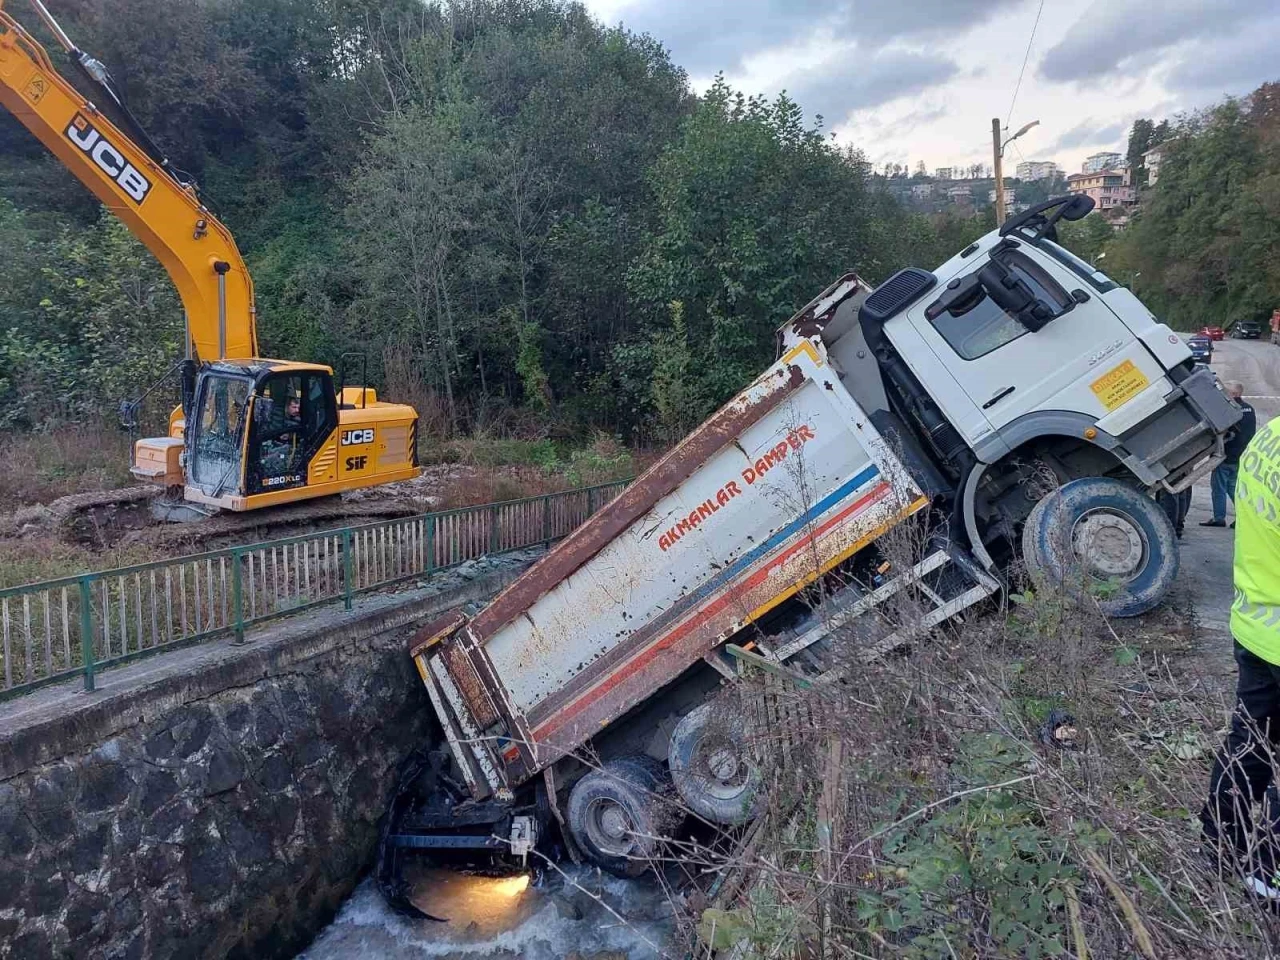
x,y
251,432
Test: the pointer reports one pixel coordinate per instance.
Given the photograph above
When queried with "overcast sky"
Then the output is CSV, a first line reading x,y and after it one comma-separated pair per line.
x,y
910,80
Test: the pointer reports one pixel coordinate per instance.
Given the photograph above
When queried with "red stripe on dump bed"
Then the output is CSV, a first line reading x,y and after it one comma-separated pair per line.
x,y
645,656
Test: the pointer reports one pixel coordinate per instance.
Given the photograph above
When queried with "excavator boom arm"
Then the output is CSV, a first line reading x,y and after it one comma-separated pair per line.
x,y
193,246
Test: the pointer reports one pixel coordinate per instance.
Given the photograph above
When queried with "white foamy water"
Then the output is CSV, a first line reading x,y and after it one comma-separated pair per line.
x,y
502,919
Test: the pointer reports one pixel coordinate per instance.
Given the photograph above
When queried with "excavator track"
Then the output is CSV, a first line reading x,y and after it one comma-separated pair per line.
x,y
272,522
123,517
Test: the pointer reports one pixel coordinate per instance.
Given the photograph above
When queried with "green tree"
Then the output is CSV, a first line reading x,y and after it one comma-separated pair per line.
x,y
99,325
497,200
1087,238
1139,143
747,203
1205,243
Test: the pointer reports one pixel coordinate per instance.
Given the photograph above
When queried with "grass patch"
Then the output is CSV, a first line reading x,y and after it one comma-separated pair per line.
x,y
76,458
30,560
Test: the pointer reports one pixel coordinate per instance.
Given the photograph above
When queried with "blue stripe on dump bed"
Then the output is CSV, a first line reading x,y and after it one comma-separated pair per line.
x,y
842,492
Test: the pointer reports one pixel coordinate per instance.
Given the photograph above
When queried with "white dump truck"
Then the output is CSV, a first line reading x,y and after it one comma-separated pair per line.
x,y
1013,402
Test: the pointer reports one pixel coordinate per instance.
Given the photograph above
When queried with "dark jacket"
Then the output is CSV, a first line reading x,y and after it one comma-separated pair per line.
x,y
1243,433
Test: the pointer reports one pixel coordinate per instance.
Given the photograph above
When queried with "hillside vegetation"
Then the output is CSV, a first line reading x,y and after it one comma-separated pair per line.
x,y
518,212
1204,247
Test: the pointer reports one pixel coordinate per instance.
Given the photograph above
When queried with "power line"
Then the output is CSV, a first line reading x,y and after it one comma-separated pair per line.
x,y
1025,58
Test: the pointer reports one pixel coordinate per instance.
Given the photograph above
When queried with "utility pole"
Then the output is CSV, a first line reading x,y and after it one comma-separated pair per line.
x,y
997,148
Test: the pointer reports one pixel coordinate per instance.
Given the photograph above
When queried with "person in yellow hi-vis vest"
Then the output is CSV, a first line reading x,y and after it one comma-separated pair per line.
x,y
1243,770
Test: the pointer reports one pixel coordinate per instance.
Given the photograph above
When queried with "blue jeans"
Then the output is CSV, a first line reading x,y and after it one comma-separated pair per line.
x,y
1222,485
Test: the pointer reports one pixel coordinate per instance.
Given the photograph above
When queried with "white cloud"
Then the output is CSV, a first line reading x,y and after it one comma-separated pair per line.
x,y
921,79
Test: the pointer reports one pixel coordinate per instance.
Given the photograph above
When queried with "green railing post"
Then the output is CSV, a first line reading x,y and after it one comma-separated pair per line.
x,y
546,519
493,529
591,500
86,630
431,542
346,568
236,594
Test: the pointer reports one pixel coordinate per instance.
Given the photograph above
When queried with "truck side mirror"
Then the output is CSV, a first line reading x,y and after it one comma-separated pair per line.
x,y
961,295
1014,296
1077,208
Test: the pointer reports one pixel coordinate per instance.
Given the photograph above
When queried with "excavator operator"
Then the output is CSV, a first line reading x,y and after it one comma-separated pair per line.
x,y
281,437
293,415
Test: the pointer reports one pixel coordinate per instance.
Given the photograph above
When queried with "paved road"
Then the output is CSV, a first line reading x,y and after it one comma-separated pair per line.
x,y
1207,551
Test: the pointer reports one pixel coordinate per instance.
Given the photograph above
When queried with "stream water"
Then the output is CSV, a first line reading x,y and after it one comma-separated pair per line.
x,y
574,915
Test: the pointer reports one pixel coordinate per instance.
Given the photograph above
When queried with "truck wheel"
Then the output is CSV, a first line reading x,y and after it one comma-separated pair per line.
x,y
1097,530
619,814
711,769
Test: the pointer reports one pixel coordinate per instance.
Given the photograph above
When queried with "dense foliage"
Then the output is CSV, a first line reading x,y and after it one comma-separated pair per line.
x,y
509,206
1204,246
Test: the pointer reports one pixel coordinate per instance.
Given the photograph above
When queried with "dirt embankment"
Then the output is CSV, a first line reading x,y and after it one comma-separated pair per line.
x,y
98,529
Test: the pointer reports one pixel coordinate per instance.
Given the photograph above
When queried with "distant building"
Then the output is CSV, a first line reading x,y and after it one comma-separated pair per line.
x,y
1152,160
944,173
922,191
1110,189
1102,161
958,194
1030,170
1010,195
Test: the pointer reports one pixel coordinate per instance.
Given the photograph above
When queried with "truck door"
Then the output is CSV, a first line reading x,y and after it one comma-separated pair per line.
x,y
1084,360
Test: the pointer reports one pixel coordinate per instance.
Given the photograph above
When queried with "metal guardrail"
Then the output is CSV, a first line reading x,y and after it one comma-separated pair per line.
x,y
57,629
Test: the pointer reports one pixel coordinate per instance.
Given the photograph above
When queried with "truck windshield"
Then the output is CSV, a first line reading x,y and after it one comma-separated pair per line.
x,y
1093,276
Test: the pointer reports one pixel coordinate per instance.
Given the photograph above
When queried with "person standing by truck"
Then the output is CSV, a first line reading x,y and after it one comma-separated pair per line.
x,y
1223,482
1242,771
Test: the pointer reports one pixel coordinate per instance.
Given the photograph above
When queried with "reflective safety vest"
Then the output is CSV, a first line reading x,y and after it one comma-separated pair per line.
x,y
1255,613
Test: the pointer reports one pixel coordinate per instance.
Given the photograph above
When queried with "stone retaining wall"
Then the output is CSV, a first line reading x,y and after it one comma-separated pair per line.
x,y
226,812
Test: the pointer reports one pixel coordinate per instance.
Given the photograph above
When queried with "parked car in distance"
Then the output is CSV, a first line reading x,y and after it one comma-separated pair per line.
x,y
1213,333
1247,330
1201,348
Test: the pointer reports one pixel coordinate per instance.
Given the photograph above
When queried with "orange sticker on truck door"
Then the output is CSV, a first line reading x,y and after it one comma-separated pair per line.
x,y
1119,385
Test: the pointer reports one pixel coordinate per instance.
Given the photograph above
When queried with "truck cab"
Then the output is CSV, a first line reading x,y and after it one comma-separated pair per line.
x,y
1016,365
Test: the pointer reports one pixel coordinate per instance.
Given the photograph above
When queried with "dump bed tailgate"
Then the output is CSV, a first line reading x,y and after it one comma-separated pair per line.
x,y
777,487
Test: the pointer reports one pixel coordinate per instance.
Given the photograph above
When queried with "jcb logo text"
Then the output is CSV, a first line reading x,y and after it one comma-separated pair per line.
x,y
352,438
109,160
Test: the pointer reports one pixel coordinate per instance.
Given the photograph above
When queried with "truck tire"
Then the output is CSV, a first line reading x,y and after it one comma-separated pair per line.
x,y
1098,531
619,814
711,768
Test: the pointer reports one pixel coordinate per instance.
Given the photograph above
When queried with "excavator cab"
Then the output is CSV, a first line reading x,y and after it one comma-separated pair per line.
x,y
264,432
257,427
294,413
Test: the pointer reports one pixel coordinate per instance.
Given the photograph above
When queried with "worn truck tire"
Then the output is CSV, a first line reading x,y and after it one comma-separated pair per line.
x,y
711,768
1096,531
619,814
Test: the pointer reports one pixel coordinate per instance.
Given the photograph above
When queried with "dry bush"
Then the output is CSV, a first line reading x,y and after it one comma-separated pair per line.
x,y
74,458
1023,784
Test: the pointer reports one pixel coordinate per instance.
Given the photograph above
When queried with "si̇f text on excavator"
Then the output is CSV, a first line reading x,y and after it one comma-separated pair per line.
x,y
250,432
